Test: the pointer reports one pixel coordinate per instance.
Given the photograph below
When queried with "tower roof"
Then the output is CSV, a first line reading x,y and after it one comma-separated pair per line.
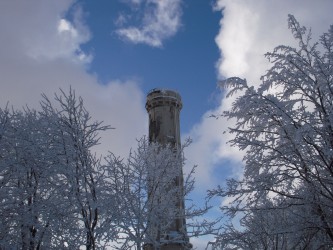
x,y
163,97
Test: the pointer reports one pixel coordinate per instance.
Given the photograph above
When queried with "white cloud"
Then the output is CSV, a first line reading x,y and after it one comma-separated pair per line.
x,y
133,2
40,53
25,28
215,159
248,29
161,20
251,28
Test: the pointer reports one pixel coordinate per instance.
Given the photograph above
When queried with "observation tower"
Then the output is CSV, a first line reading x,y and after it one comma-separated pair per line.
x,y
163,107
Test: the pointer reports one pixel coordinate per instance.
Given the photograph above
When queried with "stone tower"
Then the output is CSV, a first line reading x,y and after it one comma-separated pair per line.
x,y
163,107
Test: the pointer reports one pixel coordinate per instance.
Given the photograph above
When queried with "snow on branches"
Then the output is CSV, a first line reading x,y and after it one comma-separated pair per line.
x,y
285,197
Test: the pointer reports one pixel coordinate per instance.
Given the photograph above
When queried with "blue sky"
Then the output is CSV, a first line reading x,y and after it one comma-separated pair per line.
x,y
185,62
112,52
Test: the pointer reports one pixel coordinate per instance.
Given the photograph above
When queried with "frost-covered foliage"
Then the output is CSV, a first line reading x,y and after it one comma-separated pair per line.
x,y
149,190
48,176
285,197
56,194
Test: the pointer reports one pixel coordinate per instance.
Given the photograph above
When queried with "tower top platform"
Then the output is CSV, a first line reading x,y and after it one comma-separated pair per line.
x,y
163,97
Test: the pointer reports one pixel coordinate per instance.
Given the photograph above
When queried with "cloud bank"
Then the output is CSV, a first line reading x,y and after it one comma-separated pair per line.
x,y
160,21
40,53
251,28
248,29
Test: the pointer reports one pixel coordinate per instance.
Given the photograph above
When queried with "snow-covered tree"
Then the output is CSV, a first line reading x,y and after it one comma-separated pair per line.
x,y
145,191
31,206
76,135
49,178
56,194
148,199
285,197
